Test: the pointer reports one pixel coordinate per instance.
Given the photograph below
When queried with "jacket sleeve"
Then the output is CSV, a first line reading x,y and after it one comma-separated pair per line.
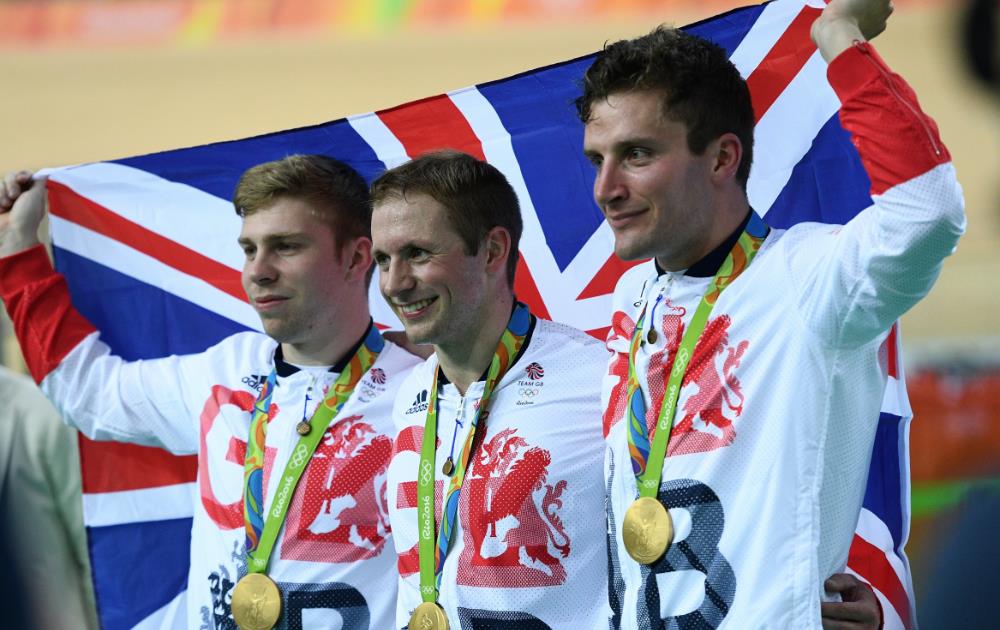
x,y
104,396
854,280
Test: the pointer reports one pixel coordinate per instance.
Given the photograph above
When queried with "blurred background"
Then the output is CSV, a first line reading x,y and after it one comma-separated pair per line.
x,y
89,80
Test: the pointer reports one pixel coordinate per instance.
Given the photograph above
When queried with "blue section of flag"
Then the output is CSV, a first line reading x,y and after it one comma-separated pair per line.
x,y
216,168
729,29
884,494
130,555
137,320
829,184
536,108
547,138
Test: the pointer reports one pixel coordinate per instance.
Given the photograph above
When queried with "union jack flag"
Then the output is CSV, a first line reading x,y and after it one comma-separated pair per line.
x,y
148,246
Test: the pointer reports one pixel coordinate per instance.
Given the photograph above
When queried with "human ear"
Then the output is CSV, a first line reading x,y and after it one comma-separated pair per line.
x,y
727,152
497,245
358,258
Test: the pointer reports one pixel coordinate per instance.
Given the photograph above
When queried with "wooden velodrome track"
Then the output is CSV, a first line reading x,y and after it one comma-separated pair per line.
x,y
63,106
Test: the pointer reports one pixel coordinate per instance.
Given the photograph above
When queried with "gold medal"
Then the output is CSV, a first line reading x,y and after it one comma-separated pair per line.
x,y
651,335
256,602
303,428
448,467
647,530
428,616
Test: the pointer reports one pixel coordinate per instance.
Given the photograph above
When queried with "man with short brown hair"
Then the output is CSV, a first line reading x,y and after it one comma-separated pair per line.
x,y
291,428
498,442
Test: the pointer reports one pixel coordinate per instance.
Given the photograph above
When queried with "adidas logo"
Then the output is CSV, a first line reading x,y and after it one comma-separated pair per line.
x,y
419,403
255,381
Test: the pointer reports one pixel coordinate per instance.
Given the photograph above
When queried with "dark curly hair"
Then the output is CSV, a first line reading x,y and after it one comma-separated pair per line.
x,y
701,88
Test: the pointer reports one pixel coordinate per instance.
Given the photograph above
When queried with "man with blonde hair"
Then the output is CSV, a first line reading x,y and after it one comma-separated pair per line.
x,y
291,427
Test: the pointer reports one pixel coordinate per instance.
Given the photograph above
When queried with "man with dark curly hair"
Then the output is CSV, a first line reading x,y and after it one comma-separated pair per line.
x,y
746,379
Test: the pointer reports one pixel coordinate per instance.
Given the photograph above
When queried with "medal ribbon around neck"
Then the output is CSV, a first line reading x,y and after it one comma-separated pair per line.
x,y
433,553
647,463
261,535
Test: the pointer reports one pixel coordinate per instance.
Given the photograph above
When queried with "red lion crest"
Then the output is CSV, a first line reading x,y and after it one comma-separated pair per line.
x,y
708,413
513,534
339,510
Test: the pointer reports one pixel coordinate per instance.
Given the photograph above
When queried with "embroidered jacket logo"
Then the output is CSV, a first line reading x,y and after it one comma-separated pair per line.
x,y
372,385
535,371
255,381
419,403
378,376
530,388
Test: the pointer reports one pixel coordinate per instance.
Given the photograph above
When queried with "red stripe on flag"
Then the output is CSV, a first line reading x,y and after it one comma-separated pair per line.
x,y
870,563
437,123
429,124
527,291
68,204
104,465
788,55
604,281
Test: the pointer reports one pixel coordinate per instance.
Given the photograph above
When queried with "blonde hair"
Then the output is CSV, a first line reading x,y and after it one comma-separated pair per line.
x,y
336,192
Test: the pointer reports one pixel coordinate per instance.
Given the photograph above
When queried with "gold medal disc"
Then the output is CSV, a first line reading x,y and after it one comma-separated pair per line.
x,y
428,616
256,602
647,530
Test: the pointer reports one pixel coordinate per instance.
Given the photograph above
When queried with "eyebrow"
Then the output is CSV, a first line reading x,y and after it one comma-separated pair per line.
x,y
279,236
404,250
626,143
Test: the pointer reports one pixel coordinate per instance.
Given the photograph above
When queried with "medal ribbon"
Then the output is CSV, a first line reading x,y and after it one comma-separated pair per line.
x,y
647,461
261,535
432,553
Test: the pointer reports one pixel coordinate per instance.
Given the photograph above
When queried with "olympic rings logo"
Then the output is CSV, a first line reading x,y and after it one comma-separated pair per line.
x,y
528,392
300,455
680,362
425,473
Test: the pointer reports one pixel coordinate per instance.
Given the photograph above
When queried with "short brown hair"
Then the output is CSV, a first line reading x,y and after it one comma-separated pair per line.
x,y
337,193
475,194
701,88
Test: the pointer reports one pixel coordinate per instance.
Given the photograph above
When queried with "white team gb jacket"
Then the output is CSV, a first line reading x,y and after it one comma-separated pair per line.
x,y
529,550
333,559
768,456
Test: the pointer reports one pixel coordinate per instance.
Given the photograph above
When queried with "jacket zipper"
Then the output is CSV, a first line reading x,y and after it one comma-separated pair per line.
x,y
899,97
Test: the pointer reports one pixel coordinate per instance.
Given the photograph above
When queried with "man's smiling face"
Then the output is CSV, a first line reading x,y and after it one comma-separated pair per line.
x,y
436,288
652,189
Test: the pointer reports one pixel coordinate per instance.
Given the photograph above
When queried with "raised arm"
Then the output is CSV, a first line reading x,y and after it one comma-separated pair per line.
x,y
22,208
844,22
854,282
101,394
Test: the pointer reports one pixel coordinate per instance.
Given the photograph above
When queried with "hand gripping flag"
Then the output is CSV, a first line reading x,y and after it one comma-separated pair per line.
x,y
148,246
